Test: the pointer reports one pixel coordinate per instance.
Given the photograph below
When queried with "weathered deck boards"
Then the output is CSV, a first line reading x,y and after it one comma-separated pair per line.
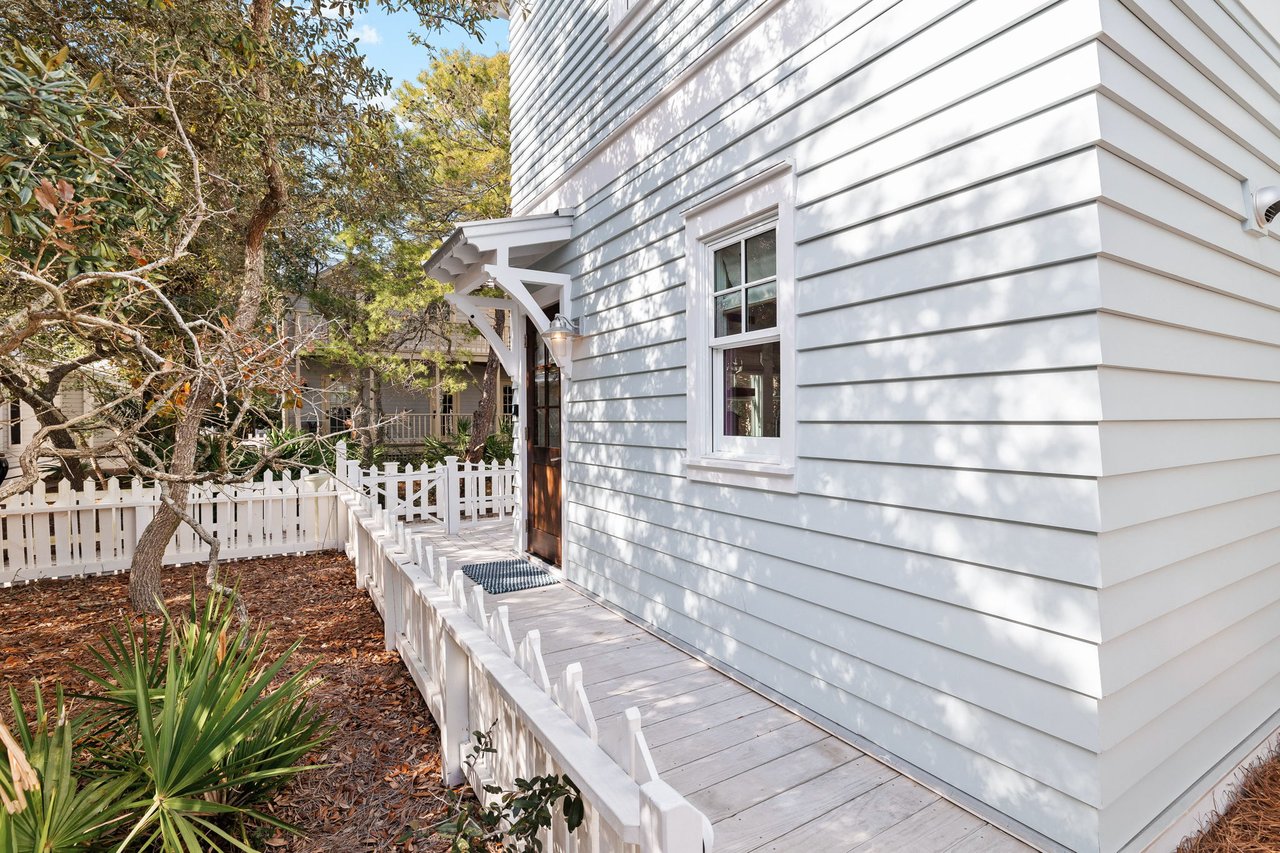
x,y
767,779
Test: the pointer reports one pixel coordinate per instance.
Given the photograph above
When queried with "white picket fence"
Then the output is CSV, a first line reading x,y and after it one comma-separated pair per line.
x,y
474,673
65,533
451,494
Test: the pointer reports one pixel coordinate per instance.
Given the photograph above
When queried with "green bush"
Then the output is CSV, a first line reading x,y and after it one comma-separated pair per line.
x,y
182,742
291,448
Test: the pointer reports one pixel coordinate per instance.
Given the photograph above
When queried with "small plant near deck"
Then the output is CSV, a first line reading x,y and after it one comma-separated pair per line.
x,y
183,740
510,820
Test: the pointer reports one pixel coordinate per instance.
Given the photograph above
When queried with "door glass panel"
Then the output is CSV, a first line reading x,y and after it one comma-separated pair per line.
x,y
752,391
729,314
553,427
728,264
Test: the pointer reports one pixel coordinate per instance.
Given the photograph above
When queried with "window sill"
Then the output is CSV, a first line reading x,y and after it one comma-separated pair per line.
x,y
750,474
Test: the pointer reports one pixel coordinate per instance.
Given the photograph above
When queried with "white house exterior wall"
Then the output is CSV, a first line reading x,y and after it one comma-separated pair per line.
x,y
932,586
1190,497
1033,549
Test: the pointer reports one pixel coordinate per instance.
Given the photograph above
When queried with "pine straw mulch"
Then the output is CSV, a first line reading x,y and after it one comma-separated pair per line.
x,y
1250,822
385,776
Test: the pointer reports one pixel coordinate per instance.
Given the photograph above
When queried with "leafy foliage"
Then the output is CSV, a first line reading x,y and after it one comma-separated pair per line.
x,y
78,194
184,740
512,820
51,803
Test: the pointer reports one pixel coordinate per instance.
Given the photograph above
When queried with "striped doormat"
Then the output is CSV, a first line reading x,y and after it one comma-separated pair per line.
x,y
507,576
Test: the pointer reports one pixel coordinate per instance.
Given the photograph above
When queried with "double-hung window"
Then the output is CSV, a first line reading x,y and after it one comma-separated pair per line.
x,y
741,352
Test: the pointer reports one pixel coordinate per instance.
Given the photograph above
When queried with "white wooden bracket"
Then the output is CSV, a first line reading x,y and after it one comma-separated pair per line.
x,y
472,307
516,280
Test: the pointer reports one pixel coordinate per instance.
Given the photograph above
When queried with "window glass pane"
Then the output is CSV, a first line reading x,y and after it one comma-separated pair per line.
x,y
728,263
729,314
752,391
762,256
762,306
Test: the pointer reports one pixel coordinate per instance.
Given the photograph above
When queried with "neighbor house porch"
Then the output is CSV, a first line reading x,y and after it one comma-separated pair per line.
x,y
764,777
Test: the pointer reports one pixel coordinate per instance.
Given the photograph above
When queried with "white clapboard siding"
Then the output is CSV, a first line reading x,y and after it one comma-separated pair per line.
x,y
1190,438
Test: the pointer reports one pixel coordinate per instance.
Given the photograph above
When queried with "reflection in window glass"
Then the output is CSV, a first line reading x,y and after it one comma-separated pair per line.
x,y
729,314
762,306
753,391
728,263
762,256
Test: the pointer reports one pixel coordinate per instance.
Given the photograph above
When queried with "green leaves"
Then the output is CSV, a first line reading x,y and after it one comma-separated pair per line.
x,y
75,192
69,808
184,741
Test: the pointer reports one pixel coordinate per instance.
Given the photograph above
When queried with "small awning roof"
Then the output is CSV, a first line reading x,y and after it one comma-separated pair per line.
x,y
500,252
516,241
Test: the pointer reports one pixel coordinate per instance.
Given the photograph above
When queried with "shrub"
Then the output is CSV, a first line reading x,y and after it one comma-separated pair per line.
x,y
183,741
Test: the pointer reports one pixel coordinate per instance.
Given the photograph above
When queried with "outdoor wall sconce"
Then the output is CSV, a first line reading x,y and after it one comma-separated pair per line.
x,y
560,336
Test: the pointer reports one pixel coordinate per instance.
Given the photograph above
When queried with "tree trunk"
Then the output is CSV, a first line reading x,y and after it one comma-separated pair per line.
x,y
362,419
377,414
487,409
147,562
145,567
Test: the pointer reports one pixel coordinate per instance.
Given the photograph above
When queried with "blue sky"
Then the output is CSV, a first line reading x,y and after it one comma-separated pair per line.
x,y
384,39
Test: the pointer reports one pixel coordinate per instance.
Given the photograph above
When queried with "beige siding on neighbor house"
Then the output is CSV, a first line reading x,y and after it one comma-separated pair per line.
x,y
1190,496
932,586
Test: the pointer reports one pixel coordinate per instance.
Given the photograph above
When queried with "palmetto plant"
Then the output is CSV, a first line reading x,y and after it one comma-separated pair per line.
x,y
50,804
187,735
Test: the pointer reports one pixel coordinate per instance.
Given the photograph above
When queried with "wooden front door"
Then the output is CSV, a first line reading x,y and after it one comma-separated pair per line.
x,y
543,443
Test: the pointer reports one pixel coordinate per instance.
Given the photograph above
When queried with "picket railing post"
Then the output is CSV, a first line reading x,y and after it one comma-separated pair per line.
x,y
455,728
452,496
669,823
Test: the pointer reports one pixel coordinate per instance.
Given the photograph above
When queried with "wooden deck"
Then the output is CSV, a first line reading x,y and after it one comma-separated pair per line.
x,y
767,779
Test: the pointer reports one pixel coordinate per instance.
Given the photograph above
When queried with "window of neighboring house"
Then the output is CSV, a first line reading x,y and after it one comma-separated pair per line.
x,y
625,17
15,423
741,349
446,403
339,419
508,401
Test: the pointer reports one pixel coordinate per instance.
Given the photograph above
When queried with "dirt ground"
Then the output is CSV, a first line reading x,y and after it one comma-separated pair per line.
x,y
383,791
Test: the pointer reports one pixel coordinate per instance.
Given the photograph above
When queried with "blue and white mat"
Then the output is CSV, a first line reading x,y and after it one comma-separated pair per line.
x,y
508,576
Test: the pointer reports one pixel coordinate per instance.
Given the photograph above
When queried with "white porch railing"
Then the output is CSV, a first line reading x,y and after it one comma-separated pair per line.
x,y
451,494
474,673
67,533
409,427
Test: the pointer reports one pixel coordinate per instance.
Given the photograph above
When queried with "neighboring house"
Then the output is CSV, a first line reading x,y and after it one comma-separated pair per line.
x,y
926,374
18,424
330,392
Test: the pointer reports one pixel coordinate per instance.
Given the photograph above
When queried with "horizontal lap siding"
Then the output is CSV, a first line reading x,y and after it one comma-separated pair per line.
x,y
1190,384
932,586
570,88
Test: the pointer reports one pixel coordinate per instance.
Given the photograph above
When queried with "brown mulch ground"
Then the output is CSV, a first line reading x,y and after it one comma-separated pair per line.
x,y
385,751
1250,823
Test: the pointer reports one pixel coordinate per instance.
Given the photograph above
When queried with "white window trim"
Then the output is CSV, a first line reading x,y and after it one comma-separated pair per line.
x,y
625,20
767,197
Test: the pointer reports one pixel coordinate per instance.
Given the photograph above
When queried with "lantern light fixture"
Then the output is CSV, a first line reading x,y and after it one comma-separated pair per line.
x,y
560,336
